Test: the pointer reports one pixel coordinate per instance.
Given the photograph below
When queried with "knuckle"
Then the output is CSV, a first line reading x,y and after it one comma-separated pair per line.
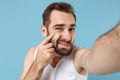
x,y
50,44
53,49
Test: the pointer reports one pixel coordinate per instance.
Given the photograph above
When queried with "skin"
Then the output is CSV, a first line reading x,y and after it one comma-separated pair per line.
x,y
61,27
103,58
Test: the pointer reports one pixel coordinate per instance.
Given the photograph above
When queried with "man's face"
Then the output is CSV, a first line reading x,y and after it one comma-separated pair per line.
x,y
62,24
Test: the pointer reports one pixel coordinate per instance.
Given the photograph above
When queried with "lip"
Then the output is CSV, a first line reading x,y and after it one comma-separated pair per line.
x,y
64,44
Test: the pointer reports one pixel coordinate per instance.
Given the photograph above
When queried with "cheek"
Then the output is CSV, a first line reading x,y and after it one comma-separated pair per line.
x,y
56,38
73,38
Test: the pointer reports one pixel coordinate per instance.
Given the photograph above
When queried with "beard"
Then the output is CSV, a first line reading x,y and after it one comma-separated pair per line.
x,y
61,50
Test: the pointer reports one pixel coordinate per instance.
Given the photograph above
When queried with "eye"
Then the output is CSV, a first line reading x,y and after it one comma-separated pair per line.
x,y
72,29
58,28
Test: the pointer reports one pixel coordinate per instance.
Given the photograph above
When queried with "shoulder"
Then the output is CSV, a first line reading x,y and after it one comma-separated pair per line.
x,y
77,55
29,57
30,53
28,60
81,51
77,51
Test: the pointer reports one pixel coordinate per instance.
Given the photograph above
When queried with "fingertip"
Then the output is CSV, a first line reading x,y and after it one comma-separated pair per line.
x,y
51,34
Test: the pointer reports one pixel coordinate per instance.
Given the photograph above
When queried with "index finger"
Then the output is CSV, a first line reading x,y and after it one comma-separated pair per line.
x,y
56,37
48,38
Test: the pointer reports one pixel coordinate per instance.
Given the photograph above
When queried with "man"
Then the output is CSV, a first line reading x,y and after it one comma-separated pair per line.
x,y
57,58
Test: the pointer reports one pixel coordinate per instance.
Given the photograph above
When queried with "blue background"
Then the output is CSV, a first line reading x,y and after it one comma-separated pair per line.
x,y
20,22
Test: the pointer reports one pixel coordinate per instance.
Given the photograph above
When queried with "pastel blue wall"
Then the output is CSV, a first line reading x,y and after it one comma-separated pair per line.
x,y
20,22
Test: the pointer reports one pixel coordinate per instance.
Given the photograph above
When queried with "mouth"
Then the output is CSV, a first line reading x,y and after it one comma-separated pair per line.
x,y
63,48
64,45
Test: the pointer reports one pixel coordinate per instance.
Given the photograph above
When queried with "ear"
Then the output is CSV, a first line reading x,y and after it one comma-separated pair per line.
x,y
44,30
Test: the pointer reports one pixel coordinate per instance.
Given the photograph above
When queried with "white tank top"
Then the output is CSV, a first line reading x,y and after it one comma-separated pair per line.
x,y
64,70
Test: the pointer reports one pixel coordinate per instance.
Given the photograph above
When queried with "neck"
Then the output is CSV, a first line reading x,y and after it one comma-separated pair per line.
x,y
55,61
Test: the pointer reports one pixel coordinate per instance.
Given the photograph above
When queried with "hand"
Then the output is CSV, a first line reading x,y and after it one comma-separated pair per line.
x,y
45,51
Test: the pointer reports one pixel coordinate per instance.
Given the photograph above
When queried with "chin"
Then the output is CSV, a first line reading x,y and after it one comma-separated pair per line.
x,y
62,51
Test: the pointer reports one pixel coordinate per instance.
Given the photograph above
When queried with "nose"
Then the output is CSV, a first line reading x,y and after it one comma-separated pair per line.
x,y
66,35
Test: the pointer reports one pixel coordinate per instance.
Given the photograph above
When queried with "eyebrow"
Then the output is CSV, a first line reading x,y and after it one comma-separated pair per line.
x,y
60,25
73,25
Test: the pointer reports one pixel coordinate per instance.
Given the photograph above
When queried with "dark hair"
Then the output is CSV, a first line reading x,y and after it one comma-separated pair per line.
x,y
61,6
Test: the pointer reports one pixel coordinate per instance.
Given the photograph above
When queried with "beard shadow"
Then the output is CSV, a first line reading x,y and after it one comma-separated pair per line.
x,y
62,51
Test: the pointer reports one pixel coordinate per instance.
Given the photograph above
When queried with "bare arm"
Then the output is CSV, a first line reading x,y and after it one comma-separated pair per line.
x,y
30,66
104,57
34,68
35,72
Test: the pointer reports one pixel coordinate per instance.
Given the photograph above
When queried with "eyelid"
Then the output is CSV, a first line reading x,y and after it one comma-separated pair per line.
x,y
73,29
58,28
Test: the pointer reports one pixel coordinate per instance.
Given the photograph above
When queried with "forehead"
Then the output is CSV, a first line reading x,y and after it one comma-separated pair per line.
x,y
59,17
